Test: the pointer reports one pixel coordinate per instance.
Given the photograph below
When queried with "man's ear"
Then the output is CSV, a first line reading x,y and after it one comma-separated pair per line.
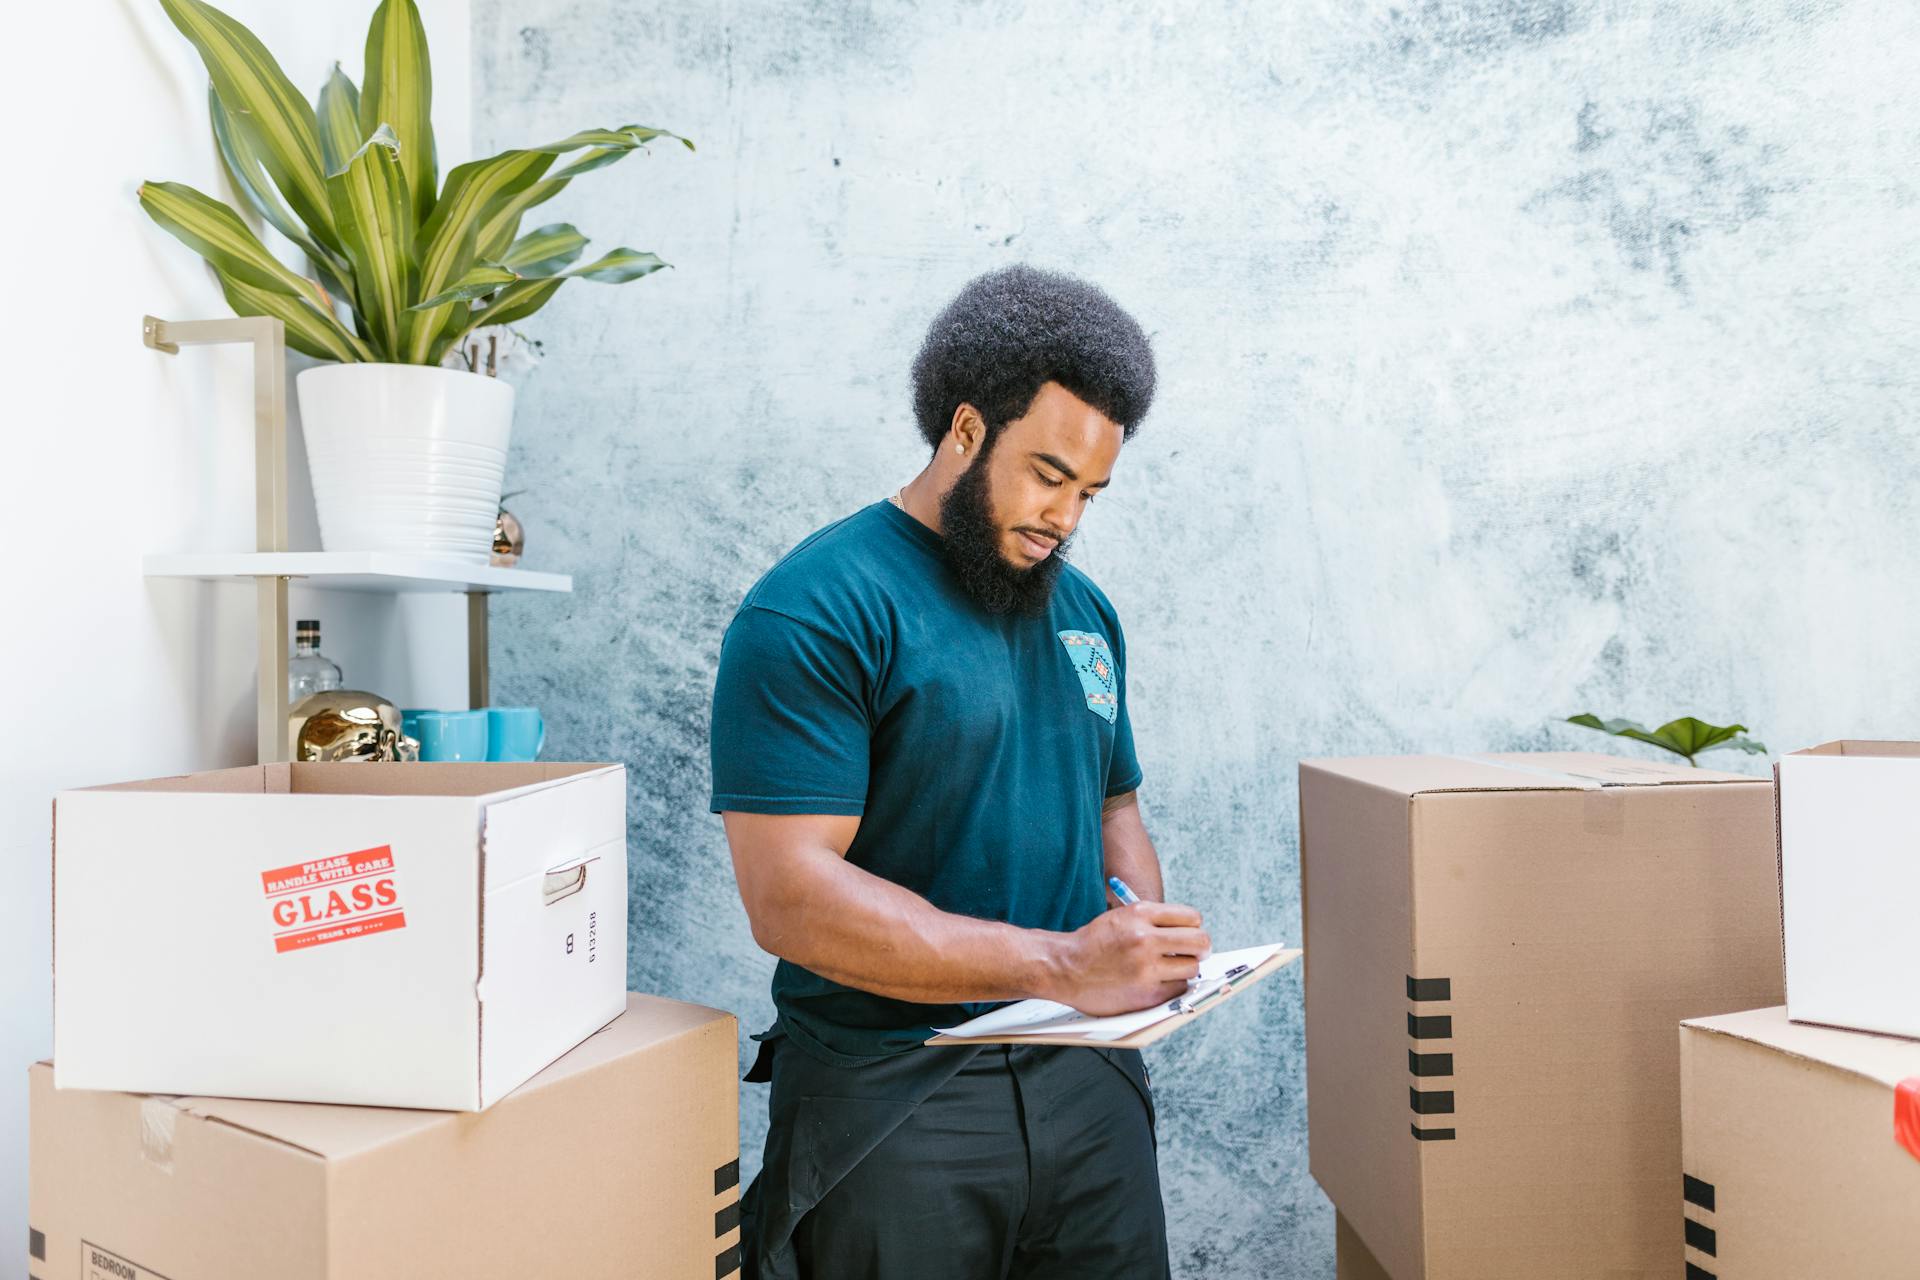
x,y
968,430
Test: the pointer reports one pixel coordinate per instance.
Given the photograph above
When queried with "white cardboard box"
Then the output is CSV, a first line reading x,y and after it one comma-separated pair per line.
x,y
401,935
1849,879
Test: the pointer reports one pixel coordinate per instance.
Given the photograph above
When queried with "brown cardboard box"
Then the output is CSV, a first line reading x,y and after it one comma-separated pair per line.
x,y
1498,951
1352,1260
622,1158
1792,1169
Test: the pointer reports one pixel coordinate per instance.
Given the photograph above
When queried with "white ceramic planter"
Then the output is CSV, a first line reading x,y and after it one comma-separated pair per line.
x,y
406,457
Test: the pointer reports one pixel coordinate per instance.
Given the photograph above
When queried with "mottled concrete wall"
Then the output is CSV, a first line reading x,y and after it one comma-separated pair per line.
x,y
1519,358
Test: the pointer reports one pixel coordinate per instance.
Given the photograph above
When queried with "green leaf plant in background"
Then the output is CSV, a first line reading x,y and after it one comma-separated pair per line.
x,y
403,267
1686,736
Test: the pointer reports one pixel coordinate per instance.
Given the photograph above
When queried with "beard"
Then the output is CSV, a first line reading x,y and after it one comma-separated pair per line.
x,y
973,552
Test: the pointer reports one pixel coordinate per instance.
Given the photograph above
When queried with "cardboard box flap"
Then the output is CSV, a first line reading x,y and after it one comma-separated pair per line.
x,y
1886,1059
1517,771
1861,747
330,1132
341,1132
434,778
246,779
365,778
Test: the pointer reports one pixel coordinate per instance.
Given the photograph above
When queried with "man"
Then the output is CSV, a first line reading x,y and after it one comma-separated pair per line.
x,y
922,750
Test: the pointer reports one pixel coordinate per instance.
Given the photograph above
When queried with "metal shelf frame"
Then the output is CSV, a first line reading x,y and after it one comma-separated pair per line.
x,y
267,336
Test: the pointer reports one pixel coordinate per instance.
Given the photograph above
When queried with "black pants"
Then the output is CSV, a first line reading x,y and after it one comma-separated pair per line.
x,y
1030,1162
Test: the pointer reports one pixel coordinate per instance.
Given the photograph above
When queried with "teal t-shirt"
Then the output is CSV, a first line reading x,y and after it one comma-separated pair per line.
x,y
858,677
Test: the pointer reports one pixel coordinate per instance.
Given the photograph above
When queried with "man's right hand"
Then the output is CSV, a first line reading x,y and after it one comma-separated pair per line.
x,y
1131,958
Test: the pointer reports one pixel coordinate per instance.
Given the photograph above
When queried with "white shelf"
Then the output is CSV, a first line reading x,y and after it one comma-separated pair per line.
x,y
377,571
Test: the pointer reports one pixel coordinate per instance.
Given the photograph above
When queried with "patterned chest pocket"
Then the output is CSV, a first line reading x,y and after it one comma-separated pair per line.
x,y
1094,663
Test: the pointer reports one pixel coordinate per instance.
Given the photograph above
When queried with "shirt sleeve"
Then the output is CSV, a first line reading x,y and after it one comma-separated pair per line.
x,y
790,730
1123,769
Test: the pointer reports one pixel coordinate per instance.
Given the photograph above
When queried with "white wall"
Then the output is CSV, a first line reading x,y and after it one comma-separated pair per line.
x,y
111,451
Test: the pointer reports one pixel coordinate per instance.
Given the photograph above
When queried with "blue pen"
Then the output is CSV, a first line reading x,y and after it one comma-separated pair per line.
x,y
1128,898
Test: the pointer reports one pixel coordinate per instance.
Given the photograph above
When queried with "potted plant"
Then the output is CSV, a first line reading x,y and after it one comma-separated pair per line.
x,y
405,454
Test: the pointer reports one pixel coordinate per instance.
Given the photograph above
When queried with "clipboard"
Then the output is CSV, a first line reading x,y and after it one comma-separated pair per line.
x,y
1159,1030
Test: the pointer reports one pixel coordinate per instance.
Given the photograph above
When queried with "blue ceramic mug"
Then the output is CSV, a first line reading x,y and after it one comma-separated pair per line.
x,y
447,735
515,733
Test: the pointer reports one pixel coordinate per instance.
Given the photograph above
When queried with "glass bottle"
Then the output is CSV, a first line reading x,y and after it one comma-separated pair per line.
x,y
309,670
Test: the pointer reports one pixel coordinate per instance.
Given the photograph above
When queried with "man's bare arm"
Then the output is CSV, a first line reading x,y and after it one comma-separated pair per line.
x,y
809,905
1126,848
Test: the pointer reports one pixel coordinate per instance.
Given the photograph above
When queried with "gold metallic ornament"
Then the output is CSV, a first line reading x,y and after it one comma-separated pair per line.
x,y
346,725
509,539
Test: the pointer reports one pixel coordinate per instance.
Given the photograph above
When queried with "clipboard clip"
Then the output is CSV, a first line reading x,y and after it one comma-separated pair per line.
x,y
1181,1004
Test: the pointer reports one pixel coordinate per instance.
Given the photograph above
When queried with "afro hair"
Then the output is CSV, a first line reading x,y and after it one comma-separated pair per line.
x,y
1011,331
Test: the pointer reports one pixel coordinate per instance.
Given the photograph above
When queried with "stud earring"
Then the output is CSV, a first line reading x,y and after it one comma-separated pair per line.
x,y
959,448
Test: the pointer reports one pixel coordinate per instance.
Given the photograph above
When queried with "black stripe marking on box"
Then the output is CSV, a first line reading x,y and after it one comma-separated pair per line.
x,y
1699,1273
1432,1135
726,1176
727,1263
1437,1027
36,1245
1429,988
1431,1102
1430,1064
726,1220
1696,1191
1700,1236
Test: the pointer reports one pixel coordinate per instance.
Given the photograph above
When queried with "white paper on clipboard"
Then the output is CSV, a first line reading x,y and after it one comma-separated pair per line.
x,y
1047,1017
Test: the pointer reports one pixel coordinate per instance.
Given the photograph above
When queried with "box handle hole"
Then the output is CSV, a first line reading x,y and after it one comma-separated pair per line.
x,y
563,884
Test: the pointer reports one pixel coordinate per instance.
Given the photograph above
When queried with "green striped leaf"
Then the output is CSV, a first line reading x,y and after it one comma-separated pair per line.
x,y
625,138
448,240
242,166
399,94
501,223
216,233
481,189
371,209
249,179
595,158
518,301
521,299
546,250
309,329
617,267
277,120
483,279
339,116
424,327
515,302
